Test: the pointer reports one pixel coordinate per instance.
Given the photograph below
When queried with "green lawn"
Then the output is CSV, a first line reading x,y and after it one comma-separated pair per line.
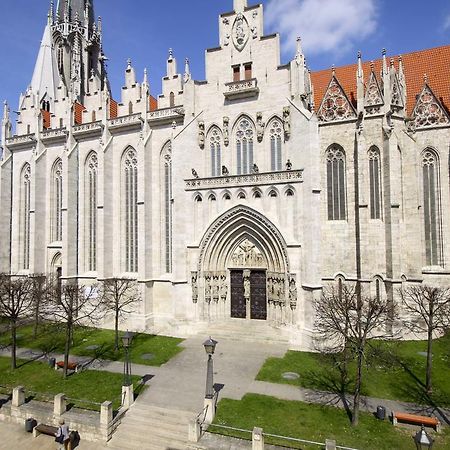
x,y
396,372
314,423
38,378
51,338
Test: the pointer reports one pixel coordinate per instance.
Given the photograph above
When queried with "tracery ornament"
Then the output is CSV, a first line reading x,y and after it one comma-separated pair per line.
x,y
374,97
428,111
335,104
244,146
240,32
216,156
396,100
276,131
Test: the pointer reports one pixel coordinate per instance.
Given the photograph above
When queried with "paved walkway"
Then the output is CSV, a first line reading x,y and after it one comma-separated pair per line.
x,y
15,437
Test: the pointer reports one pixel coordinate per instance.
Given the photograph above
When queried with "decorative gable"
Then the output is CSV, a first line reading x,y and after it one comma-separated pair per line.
x,y
374,97
335,104
397,98
429,111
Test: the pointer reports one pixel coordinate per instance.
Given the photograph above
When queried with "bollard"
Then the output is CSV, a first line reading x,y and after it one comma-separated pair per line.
x,y
194,431
330,444
257,439
59,406
18,396
127,396
106,413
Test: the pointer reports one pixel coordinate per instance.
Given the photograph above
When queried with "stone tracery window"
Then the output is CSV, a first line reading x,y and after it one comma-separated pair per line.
x,y
56,201
216,155
428,112
130,186
336,191
374,181
25,215
91,171
244,146
431,193
276,157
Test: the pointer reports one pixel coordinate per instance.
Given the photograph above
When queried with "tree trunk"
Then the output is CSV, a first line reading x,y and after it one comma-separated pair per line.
x,y
428,383
116,329
13,344
357,393
67,348
36,320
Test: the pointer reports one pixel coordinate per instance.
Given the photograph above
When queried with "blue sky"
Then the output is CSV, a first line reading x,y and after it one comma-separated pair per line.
x,y
332,30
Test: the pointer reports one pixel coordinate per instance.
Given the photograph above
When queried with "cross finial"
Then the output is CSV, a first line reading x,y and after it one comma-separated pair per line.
x,y
129,63
333,70
425,78
170,53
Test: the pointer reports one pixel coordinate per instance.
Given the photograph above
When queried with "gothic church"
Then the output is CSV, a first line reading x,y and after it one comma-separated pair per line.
x,y
236,198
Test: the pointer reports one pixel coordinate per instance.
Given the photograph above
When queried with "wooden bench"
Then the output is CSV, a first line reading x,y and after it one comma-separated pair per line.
x,y
49,430
415,419
70,366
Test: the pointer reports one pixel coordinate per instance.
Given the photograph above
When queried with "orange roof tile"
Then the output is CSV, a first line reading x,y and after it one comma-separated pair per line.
x,y
434,62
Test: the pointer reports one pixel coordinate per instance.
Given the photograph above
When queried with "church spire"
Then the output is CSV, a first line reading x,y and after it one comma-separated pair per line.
x,y
68,10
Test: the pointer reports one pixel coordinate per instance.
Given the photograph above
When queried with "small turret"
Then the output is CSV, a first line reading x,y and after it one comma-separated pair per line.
x,y
130,75
171,65
187,71
360,85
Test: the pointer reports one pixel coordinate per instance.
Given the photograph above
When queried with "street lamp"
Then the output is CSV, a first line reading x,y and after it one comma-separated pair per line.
x,y
126,342
423,440
210,346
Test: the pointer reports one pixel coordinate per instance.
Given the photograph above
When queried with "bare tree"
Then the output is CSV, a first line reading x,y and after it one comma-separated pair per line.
x,y
346,320
73,305
429,308
119,296
16,301
42,288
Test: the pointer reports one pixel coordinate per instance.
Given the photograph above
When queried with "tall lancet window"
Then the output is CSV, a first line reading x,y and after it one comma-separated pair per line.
x,y
56,201
91,211
276,131
431,212
216,152
244,146
166,175
130,187
25,215
336,194
374,181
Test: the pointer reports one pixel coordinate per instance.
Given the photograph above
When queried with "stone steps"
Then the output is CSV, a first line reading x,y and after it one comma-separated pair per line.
x,y
148,427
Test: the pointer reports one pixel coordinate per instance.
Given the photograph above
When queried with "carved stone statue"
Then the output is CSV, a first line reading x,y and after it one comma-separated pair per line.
x,y
225,171
194,287
288,165
259,127
226,131
223,287
287,122
246,287
255,168
292,291
201,135
208,289
215,288
194,173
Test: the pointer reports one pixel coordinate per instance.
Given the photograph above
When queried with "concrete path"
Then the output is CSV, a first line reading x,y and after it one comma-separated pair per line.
x,y
15,437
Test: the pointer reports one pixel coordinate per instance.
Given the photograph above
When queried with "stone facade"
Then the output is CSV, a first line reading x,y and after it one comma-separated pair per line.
x,y
234,197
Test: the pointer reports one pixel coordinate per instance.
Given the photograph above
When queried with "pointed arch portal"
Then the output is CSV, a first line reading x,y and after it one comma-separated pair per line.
x,y
244,266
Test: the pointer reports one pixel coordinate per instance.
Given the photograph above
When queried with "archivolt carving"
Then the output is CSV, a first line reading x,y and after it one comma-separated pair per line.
x,y
242,222
247,255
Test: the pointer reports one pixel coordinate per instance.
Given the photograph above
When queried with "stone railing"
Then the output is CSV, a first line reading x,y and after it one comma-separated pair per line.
x,y
55,134
23,139
133,120
88,128
254,179
241,89
166,115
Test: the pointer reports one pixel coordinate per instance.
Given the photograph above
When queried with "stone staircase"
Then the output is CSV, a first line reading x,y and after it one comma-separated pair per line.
x,y
247,330
148,427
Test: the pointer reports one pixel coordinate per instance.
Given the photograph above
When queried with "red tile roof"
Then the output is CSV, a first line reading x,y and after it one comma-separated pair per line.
x,y
78,113
434,62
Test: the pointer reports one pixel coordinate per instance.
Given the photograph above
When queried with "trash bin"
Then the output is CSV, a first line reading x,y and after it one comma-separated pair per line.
x,y
381,412
30,424
51,362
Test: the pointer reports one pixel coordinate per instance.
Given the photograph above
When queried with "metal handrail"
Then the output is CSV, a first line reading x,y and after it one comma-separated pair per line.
x,y
231,428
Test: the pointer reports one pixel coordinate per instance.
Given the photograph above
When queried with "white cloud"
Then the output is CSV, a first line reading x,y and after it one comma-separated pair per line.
x,y
447,23
325,26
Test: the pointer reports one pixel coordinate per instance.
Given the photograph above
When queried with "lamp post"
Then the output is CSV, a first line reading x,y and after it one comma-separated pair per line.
x,y
210,346
423,440
126,342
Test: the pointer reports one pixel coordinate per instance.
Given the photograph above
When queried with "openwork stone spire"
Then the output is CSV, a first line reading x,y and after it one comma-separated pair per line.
x,y
374,96
335,104
429,111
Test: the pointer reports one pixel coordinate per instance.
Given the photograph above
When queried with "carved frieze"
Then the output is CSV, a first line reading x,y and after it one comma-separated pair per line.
x,y
247,255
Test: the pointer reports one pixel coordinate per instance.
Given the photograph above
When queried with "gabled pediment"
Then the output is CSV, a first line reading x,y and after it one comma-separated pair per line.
x,y
374,96
335,105
429,111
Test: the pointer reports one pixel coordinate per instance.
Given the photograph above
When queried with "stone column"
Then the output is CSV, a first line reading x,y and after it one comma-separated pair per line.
x,y
59,406
106,414
18,396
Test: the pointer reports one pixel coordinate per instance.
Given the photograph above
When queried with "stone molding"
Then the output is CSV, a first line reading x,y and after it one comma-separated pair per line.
x,y
241,89
165,115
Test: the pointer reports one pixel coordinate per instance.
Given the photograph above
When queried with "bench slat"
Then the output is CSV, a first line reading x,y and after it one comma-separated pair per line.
x,y
46,429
